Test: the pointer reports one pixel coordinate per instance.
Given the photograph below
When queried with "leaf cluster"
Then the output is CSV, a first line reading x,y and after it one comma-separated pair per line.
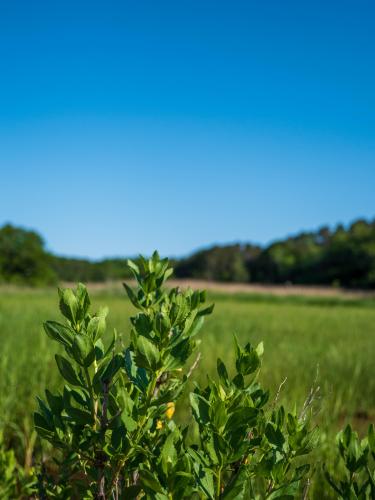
x,y
358,458
112,425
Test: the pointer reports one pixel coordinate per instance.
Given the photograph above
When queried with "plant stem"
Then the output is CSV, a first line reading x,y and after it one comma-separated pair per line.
x,y
103,426
218,486
151,389
91,392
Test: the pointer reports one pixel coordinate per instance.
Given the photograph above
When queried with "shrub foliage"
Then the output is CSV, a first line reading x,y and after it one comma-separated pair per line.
x,y
113,429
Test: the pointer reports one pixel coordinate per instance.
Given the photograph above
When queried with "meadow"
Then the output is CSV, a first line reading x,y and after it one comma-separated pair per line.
x,y
326,343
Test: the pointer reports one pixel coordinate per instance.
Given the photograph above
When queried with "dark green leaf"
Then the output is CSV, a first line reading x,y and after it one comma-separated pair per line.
x,y
200,407
83,350
285,492
132,296
222,372
238,487
241,417
82,417
137,375
55,402
150,481
148,355
274,436
61,333
206,311
67,371
107,371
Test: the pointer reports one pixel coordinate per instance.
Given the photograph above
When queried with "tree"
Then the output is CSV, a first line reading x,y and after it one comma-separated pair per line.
x,y
23,258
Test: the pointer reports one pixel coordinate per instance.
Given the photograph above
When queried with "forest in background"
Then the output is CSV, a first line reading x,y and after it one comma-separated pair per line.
x,y
340,256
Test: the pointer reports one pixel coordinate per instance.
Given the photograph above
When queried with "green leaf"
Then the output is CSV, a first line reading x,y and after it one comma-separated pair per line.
x,y
218,414
239,487
142,324
168,454
148,355
260,349
67,371
137,375
202,474
150,481
206,311
99,349
239,381
68,304
248,359
301,471
45,411
162,323
55,402
222,372
80,396
83,350
42,427
112,343
248,363
61,333
129,422
274,436
200,407
133,266
107,371
83,300
241,417
132,297
195,326
81,417
131,492
97,324
179,354
285,492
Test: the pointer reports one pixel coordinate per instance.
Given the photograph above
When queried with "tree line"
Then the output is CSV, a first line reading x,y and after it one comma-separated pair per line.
x,y
340,256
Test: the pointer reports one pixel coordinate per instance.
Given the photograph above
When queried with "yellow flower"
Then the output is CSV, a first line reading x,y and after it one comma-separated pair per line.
x,y
170,410
159,425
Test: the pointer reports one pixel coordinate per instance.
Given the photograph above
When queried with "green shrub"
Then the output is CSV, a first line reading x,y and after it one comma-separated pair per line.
x,y
358,456
112,426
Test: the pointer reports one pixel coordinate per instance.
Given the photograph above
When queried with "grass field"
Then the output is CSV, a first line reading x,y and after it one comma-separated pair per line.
x,y
326,340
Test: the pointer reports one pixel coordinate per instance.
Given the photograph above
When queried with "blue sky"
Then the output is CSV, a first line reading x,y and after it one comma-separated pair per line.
x,y
128,126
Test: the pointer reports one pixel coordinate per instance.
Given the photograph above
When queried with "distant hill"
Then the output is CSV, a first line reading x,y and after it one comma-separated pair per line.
x,y
339,257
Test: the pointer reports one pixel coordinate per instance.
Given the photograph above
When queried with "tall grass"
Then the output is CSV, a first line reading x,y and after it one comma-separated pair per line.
x,y
329,342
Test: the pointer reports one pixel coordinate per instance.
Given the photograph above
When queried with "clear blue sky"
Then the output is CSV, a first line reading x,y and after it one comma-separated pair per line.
x,y
131,125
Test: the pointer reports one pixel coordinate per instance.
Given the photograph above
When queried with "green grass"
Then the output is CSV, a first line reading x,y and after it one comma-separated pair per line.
x,y
332,341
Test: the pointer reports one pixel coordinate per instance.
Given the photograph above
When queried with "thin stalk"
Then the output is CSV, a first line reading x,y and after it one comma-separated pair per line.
x,y
218,486
96,402
103,426
91,392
